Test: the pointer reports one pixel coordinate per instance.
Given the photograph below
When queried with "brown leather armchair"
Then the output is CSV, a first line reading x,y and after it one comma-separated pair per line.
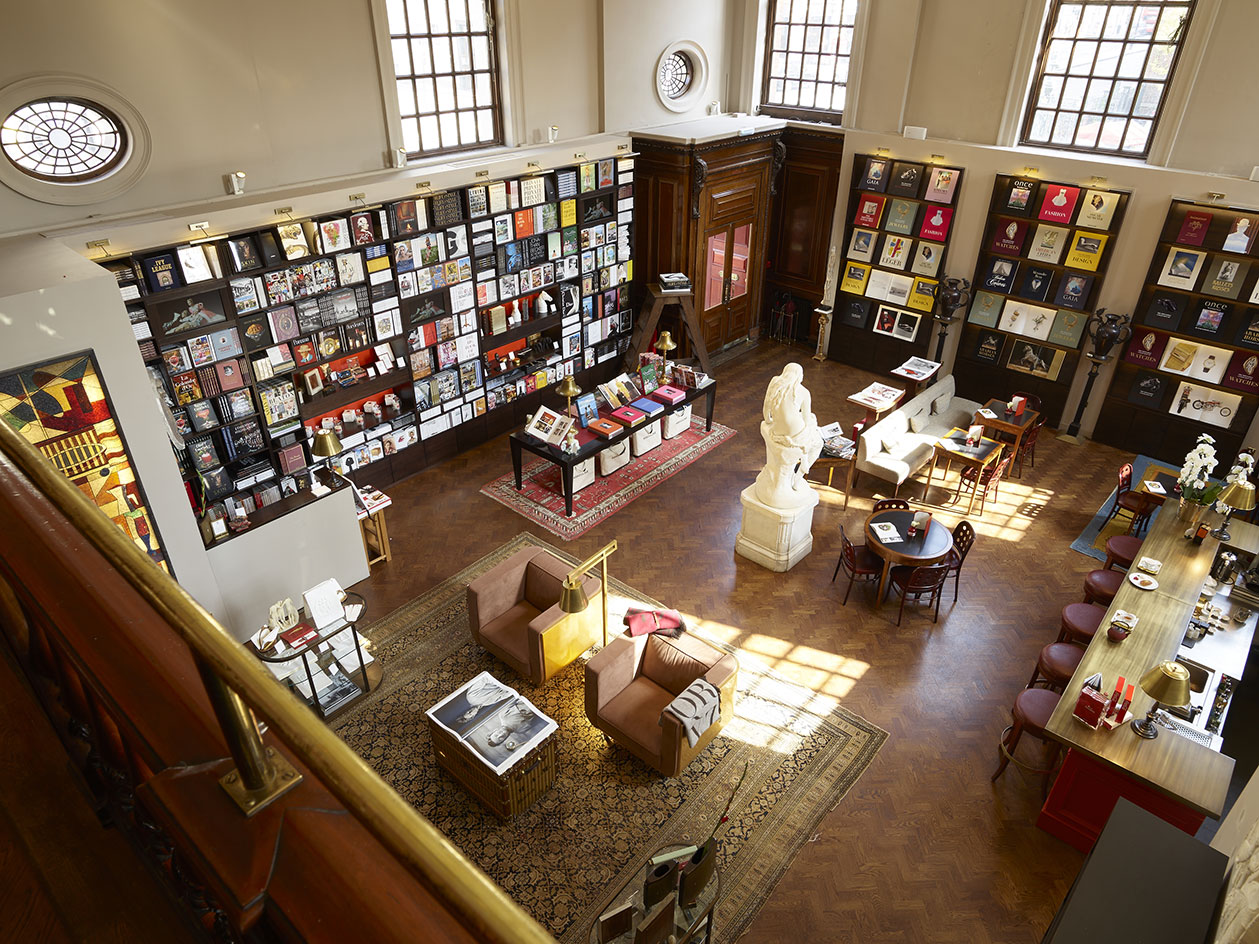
x,y
514,613
630,683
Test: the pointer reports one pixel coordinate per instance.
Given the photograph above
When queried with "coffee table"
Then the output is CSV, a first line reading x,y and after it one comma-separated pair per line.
x,y
929,546
952,446
1016,425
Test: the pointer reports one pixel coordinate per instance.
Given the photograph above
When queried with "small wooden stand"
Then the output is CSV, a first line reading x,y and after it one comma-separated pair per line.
x,y
657,300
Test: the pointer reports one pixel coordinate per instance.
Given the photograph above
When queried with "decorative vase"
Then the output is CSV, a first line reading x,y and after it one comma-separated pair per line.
x,y
1190,511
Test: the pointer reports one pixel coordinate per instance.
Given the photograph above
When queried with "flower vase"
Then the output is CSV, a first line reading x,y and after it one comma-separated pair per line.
x,y
1190,511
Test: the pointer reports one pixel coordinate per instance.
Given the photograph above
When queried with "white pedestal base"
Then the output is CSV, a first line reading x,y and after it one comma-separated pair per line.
x,y
776,539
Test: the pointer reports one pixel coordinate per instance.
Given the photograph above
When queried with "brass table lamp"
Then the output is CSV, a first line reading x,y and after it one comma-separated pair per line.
x,y
1238,496
568,389
573,597
1168,684
665,344
326,444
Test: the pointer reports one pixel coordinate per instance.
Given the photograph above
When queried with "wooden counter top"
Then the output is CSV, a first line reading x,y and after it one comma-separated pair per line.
x,y
1184,770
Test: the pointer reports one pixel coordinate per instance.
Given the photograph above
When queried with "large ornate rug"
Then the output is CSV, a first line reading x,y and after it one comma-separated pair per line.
x,y
542,498
591,833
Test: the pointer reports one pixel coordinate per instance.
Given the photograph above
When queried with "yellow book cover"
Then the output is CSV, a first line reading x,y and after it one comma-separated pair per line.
x,y
923,295
855,277
378,264
1086,249
568,213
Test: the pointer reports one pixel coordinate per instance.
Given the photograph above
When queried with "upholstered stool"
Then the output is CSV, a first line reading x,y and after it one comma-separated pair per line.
x,y
1122,549
1080,622
1100,586
1031,712
1057,663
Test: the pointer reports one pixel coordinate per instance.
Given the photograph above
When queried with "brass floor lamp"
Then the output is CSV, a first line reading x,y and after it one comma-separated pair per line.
x,y
573,597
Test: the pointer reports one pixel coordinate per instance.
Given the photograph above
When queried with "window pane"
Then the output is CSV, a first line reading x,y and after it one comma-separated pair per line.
x,y
826,68
1050,91
406,96
807,55
480,53
1117,23
1108,59
1133,61
1098,95
450,129
422,56
401,58
1160,62
1138,136
426,98
1143,23
417,18
1086,134
462,52
1064,128
1122,97
467,127
1068,20
476,16
410,135
458,15
485,124
445,93
438,21
1112,133
1169,24
1147,100
1041,123
484,93
1082,58
430,140
463,91
809,70
1073,93
397,15
1059,56
1092,20
441,55
807,90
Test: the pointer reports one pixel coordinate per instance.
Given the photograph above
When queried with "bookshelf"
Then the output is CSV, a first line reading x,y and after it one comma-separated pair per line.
x,y
1192,364
896,242
414,328
1041,265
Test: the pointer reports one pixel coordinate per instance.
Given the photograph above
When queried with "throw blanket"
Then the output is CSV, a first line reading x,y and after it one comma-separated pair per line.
x,y
697,708
665,622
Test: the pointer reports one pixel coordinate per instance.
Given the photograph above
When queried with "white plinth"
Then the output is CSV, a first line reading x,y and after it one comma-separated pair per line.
x,y
775,538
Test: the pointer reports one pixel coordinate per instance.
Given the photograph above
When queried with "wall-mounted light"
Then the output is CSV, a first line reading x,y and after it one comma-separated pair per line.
x,y
882,152
101,244
552,134
424,186
937,158
579,155
1098,181
483,173
1215,197
359,198
1031,171
201,228
235,182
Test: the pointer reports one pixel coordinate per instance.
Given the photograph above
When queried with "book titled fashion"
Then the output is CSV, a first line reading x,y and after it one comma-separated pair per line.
x,y
935,223
1058,203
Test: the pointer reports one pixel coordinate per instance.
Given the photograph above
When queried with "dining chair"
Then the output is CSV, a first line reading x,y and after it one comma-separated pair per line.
x,y
1135,504
891,504
1032,402
857,561
988,480
963,538
919,581
1027,448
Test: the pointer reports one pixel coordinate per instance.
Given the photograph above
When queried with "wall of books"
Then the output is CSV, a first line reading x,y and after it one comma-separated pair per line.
x,y
896,241
1193,360
1040,270
413,329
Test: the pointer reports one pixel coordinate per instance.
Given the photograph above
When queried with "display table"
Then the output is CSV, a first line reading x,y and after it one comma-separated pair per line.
x,y
520,442
1016,424
954,449
690,924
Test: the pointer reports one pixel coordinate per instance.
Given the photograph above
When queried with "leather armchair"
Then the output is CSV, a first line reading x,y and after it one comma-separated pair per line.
x,y
514,613
630,683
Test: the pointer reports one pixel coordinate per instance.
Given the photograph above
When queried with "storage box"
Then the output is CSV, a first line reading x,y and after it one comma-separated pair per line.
x,y
515,791
583,474
646,438
677,423
614,457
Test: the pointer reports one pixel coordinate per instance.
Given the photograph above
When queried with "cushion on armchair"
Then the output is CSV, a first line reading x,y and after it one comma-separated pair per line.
x,y
670,667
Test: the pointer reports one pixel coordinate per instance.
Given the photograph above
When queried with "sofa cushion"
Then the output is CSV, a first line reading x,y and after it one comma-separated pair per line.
x,y
509,631
940,405
669,667
918,422
892,428
634,712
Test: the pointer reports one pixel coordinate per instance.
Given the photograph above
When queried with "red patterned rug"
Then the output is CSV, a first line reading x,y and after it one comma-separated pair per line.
x,y
542,498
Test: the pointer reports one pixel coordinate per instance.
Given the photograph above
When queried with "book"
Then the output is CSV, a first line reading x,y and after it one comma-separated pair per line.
x,y
160,272
1248,330
900,217
1034,283
245,295
1086,249
1224,277
587,409
1037,359
549,426
648,406
1032,321
853,312
869,210
1068,328
193,264
1047,244
877,396
1097,209
667,393
1147,390
1165,311
1181,268
226,342
886,532
895,252
1193,230
999,274
1018,197
927,258
361,230
923,295
1058,203
905,179
628,416
941,184
1241,234
935,223
293,240
604,428
283,321
1210,317
988,346
855,277
493,722
860,246
1009,236
875,175
1073,291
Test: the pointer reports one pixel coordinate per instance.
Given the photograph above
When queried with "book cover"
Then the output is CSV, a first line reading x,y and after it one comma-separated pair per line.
x,y
1248,330
200,350
923,295
244,295
405,218
292,241
885,320
1031,321
269,248
648,406
985,309
335,235
1193,230
1147,390
1209,318
1097,209
226,343
1225,276
1008,237
1181,268
906,178
1047,244
278,286
1018,197
900,217
202,415
988,346
1058,203
1073,291
1146,347
361,231
1204,405
1241,373
869,210
1241,234
1204,363
897,288
160,273
999,274
283,323
875,175
1068,328
935,223
1034,283
854,312
927,258
628,416
1086,250
906,325
176,359
895,252
1037,359
604,428
860,245
193,264
941,184
855,278
1165,311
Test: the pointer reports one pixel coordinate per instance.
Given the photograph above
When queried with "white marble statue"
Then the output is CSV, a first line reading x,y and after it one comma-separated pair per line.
x,y
792,441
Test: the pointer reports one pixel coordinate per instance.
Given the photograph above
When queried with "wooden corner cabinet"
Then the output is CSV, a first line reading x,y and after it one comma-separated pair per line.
x,y
703,191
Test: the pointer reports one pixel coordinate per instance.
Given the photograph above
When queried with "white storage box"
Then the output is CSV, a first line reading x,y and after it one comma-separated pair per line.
x,y
583,474
675,424
647,437
614,457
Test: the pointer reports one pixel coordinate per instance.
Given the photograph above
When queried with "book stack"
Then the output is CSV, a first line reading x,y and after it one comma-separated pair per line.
x,y
674,282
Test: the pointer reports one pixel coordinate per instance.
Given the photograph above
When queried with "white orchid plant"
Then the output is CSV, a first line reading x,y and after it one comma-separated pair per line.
x,y
1194,482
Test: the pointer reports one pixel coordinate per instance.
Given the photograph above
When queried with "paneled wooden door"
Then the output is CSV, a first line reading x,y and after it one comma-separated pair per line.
x,y
726,312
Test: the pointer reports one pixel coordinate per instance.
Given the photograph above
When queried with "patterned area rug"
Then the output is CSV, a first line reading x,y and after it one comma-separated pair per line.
x,y
542,498
1092,540
564,859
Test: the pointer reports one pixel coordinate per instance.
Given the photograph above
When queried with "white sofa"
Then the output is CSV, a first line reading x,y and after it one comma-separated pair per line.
x,y
902,442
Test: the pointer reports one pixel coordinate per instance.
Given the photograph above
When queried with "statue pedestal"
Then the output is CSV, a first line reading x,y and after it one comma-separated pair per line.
x,y
775,538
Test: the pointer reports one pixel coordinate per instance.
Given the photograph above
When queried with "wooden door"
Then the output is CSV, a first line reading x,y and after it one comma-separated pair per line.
x,y
725,304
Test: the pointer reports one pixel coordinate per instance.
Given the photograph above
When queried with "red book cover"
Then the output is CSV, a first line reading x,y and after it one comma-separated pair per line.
x,y
1009,237
935,223
1193,231
628,416
604,428
869,209
1146,347
301,633
1058,203
524,223
667,393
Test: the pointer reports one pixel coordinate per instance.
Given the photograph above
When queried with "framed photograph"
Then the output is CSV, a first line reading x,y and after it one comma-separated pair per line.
x,y
312,380
1040,360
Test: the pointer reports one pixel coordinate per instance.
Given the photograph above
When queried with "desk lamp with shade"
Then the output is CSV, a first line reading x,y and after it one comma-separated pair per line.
x,y
326,445
1237,496
1168,684
568,389
665,344
573,598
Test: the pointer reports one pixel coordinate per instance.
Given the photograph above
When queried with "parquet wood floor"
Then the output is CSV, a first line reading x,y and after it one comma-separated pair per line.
x,y
924,848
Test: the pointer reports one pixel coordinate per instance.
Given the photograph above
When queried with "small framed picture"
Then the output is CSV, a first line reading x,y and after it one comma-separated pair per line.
x,y
313,380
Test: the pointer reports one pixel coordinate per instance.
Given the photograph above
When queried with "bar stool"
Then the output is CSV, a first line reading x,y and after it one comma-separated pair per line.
x,y
1100,586
1080,622
1122,549
1056,664
1031,712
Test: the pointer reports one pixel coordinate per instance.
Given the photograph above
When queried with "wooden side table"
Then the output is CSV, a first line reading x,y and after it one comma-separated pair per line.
x,y
512,792
847,458
952,447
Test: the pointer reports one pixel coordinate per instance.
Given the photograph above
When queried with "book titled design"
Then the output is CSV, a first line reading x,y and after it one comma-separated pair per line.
x,y
875,175
1193,230
1068,328
1241,234
1086,249
923,295
906,179
1073,291
900,217
1047,244
1182,268
861,245
1097,208
1225,276
927,258
869,210
895,252
999,276
1009,236
1058,203
935,223
985,310
941,184
855,277
1018,198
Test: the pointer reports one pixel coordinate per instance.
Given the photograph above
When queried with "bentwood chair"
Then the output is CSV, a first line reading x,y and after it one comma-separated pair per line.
x,y
963,538
1027,447
857,561
1031,401
1134,504
918,582
987,480
891,504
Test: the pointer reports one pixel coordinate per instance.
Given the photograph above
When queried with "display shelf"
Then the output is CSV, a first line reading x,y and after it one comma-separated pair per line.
x,y
343,396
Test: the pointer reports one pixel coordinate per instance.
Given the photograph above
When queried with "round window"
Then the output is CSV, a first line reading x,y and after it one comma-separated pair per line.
x,y
676,72
681,76
63,140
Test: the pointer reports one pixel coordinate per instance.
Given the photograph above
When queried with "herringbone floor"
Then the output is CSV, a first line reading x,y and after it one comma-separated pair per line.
x,y
924,848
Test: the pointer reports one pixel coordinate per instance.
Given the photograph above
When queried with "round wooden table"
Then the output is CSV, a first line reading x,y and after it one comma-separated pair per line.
x,y
924,548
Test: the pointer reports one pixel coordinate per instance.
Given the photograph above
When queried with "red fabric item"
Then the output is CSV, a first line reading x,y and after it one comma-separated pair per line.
x,y
650,621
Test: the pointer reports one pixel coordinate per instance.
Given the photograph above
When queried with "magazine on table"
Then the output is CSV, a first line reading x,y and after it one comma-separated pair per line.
x,y
887,532
917,368
496,723
834,443
877,395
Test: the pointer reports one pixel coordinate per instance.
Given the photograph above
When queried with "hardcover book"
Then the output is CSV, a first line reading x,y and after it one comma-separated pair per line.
x,y
279,287
1037,359
1182,268
861,245
999,275
988,345
1058,203
1073,291
1204,363
361,231
855,277
292,240
869,210
226,343
1241,234
1165,311
1147,390
604,428
335,236
1209,318
1018,198
1068,328
941,184
1225,276
283,323
885,320
1146,347
406,218
935,223
193,264
1193,231
1034,283
160,273
900,218
895,252
985,310
628,416
1097,209
1242,372
647,405
923,295
1248,331
1048,243
244,295
1009,236
200,350
1086,250
1031,321
906,179
927,258
269,248
853,312
875,175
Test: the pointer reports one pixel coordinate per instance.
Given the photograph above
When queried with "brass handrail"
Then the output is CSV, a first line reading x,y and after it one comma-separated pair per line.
x,y
427,854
